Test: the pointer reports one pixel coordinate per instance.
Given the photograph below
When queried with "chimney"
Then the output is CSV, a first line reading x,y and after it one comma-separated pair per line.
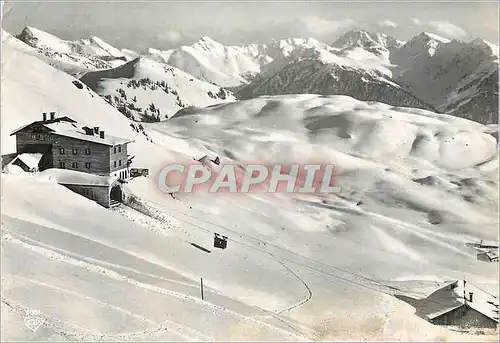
x,y
96,130
102,134
52,115
470,296
44,116
88,131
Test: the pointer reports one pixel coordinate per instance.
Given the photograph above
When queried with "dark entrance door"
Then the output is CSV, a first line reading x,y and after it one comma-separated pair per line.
x,y
116,193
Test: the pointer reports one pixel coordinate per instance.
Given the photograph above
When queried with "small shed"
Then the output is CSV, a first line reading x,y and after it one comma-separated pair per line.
x,y
105,190
464,316
488,256
457,303
29,162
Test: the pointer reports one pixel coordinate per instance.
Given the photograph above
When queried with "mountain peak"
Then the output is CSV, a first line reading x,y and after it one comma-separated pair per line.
x,y
41,39
374,42
431,36
208,43
485,45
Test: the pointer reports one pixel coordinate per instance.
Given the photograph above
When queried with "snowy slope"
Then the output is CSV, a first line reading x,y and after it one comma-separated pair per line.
x,y
296,268
147,90
48,89
73,57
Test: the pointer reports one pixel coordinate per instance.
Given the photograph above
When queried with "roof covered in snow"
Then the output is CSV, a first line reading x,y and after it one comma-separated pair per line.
x,y
71,130
66,127
30,159
72,177
447,300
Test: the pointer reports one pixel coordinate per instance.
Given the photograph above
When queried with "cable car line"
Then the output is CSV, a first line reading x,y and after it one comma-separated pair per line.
x,y
282,249
319,271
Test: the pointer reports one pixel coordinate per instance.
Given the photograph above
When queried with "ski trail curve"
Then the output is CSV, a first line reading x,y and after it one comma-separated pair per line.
x,y
164,291
309,291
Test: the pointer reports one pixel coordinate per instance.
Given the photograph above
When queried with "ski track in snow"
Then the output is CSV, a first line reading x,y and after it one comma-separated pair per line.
x,y
120,277
132,214
309,291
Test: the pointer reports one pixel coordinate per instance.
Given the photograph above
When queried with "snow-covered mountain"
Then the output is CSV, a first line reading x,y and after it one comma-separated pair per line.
x,y
454,76
325,72
476,96
213,62
231,66
297,267
375,43
427,71
74,57
140,85
146,90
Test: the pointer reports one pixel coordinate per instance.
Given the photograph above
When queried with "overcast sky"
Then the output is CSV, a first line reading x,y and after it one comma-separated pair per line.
x,y
142,24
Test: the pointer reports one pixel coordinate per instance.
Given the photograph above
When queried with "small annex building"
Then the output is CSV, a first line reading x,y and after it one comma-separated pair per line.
x,y
457,303
105,190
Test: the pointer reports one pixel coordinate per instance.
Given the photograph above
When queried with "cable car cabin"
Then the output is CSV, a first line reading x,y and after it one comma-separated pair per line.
x,y
219,242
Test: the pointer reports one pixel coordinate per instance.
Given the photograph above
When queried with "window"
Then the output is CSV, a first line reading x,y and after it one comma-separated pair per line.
x,y
115,163
33,136
87,165
87,151
39,136
61,151
62,165
119,162
115,150
75,151
120,148
75,165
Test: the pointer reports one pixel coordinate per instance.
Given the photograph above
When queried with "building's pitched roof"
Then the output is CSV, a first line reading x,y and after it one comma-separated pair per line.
x,y
73,177
483,302
60,119
31,160
440,312
66,127
70,130
446,301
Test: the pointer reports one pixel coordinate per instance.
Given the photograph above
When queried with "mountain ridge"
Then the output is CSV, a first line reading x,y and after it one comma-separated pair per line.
x,y
423,71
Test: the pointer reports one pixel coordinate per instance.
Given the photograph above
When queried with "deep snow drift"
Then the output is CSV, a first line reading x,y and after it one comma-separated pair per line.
x,y
296,268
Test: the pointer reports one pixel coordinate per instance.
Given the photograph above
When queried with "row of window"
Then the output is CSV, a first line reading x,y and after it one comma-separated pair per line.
x,y
74,165
87,151
75,151
41,137
62,165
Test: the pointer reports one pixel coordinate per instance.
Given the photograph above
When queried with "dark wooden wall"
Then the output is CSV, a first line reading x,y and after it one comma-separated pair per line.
x,y
25,142
102,157
118,156
98,158
99,194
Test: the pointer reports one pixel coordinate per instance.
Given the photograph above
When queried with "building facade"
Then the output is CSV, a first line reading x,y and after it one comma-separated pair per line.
x,y
65,146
